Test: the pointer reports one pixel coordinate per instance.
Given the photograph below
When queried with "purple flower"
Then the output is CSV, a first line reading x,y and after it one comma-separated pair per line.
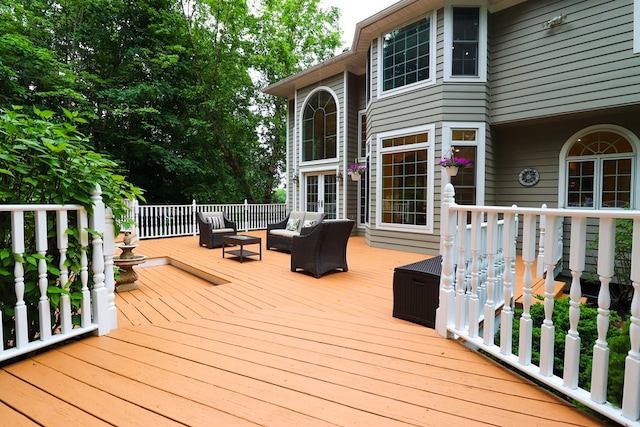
x,y
356,169
460,162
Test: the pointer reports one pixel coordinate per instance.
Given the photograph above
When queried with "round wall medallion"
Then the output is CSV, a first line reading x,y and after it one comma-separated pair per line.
x,y
529,177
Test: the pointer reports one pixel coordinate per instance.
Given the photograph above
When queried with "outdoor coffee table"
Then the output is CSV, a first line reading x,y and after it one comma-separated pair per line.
x,y
241,240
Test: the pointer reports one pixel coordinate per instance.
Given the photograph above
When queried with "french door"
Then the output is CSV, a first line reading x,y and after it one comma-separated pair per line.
x,y
321,194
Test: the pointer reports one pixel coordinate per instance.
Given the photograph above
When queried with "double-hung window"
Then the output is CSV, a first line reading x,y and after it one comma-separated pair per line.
x,y
465,40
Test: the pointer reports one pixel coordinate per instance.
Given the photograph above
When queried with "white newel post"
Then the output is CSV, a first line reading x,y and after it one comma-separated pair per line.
x,y
606,247
109,280
576,265
445,314
44,310
99,292
631,391
17,239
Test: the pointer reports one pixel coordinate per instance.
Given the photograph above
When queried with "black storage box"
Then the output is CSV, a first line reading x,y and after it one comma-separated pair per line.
x,y
416,291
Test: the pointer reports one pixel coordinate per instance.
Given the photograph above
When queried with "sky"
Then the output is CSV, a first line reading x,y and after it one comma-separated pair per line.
x,y
354,11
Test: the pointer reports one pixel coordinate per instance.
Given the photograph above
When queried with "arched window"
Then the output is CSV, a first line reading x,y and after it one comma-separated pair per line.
x,y
319,127
600,167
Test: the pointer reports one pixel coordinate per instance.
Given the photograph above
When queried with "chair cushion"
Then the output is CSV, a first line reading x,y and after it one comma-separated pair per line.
x,y
284,232
222,230
292,224
216,219
309,223
313,216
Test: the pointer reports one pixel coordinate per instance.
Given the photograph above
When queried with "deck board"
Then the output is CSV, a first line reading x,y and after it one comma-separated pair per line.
x,y
269,347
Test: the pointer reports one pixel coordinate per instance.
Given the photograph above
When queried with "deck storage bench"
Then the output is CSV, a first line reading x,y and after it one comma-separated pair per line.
x,y
416,291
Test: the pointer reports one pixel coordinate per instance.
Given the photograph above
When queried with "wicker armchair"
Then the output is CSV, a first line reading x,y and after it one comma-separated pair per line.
x,y
213,226
321,248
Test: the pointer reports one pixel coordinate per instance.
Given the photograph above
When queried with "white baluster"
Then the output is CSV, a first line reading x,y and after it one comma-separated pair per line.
x,y
631,392
543,231
490,306
44,309
85,309
528,256
576,264
63,243
506,316
109,280
547,330
445,314
600,371
17,241
461,267
474,302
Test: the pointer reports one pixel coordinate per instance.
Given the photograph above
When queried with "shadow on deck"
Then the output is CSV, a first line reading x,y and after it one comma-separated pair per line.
x,y
265,346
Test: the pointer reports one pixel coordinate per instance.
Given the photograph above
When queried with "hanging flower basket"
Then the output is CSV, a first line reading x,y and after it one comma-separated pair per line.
x,y
452,170
355,171
452,164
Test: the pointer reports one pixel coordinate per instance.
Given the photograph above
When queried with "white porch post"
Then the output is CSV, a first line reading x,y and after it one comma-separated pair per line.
x,y
445,314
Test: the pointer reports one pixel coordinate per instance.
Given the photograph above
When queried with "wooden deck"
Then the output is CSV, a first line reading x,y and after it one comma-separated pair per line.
x,y
266,346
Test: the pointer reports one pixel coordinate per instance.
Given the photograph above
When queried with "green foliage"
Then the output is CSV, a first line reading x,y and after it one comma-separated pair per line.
x,y
279,196
621,289
45,160
617,338
171,89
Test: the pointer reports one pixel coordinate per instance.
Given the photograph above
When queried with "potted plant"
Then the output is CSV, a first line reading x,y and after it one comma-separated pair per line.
x,y
452,164
355,170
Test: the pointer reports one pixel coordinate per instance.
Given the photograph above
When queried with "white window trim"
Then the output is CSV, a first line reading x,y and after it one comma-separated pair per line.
x,y
433,24
361,114
479,143
301,121
482,42
636,26
562,167
430,129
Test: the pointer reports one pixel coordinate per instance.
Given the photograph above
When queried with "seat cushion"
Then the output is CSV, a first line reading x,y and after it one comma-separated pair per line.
x,y
222,230
283,232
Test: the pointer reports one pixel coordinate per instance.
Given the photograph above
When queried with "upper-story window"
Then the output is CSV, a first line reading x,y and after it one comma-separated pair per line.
x,y
598,166
408,56
466,33
319,127
465,39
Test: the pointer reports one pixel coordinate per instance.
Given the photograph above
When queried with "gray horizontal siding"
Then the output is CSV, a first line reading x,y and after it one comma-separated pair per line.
x,y
585,64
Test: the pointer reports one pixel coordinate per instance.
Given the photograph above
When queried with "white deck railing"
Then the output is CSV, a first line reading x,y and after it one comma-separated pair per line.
x,y
463,313
154,221
96,311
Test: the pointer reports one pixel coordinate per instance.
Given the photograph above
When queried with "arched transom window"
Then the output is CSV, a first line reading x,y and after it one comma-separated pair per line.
x,y
319,127
600,171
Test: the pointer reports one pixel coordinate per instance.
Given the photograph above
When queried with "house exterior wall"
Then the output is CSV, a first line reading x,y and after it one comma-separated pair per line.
x,y
542,86
582,65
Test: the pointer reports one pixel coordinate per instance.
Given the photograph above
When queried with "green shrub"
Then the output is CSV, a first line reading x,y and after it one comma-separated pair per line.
x,y
45,160
588,331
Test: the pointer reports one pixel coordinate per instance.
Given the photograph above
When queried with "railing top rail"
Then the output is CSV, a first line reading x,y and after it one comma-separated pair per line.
x,y
29,208
587,213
